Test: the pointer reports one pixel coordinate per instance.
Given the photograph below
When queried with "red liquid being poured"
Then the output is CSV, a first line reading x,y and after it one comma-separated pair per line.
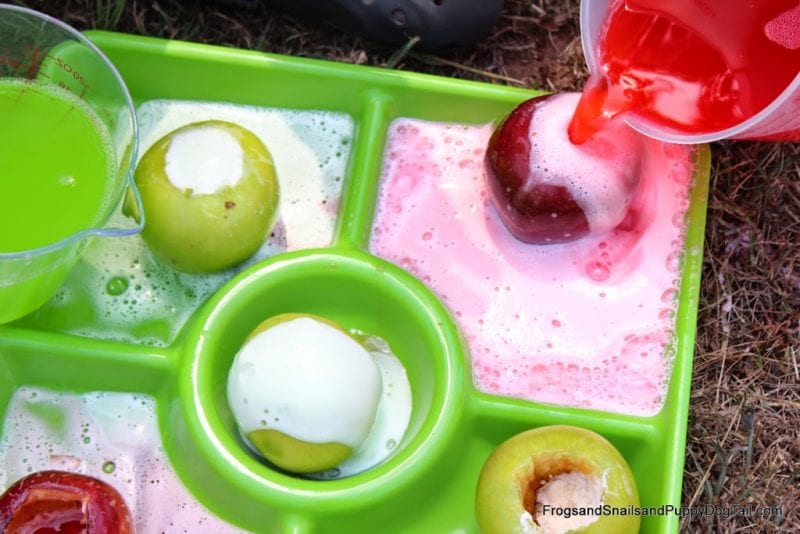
x,y
693,66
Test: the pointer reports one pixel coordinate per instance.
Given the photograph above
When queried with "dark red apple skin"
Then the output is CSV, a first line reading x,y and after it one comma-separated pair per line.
x,y
540,213
63,503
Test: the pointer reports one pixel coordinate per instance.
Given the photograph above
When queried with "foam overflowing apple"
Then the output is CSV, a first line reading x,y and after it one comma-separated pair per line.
x,y
315,399
553,480
304,393
548,190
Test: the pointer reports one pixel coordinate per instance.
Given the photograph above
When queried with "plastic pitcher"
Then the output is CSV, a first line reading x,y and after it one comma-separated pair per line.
x,y
779,120
67,148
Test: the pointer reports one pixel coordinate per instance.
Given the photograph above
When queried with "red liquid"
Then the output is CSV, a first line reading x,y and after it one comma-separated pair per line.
x,y
695,66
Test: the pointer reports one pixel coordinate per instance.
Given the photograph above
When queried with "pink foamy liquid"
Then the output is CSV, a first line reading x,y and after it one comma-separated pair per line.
x,y
588,323
107,435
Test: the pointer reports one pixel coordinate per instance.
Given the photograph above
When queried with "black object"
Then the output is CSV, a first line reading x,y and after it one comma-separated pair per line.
x,y
439,24
247,4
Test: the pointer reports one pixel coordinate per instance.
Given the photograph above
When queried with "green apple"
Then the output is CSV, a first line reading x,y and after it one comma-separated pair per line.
x,y
304,393
210,196
534,475
298,456
275,320
294,455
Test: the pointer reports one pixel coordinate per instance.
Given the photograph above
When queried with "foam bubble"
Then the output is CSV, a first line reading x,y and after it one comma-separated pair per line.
x,y
784,29
597,271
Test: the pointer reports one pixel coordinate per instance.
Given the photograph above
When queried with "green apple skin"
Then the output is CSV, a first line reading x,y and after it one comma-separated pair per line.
x,y
275,320
500,492
297,456
208,232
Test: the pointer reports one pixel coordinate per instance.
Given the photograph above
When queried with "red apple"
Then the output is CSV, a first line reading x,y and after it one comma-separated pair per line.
x,y
547,190
61,502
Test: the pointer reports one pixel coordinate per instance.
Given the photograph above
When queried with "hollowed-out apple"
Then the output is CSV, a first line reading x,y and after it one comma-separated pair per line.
x,y
57,501
210,196
554,480
304,392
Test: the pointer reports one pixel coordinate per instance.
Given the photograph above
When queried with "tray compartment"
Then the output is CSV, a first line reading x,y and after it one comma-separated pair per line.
x,y
496,419
360,292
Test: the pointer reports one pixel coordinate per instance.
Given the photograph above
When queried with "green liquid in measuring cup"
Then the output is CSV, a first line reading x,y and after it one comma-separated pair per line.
x,y
56,164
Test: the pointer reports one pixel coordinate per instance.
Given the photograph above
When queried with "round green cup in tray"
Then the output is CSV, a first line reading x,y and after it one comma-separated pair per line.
x,y
429,484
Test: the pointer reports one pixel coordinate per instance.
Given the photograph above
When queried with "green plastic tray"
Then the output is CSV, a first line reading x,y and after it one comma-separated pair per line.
x,y
429,484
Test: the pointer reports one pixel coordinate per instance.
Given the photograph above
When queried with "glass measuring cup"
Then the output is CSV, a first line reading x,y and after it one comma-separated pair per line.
x,y
779,120
68,144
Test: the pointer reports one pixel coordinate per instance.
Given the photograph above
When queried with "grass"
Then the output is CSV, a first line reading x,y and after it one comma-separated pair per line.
x,y
744,434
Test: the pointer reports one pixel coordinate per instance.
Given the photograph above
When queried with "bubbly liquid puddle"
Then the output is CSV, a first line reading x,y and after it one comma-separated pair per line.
x,y
120,291
110,436
588,323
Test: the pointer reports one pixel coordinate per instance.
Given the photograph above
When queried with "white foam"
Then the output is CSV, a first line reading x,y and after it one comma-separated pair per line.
x,y
572,489
308,380
204,160
601,175
391,421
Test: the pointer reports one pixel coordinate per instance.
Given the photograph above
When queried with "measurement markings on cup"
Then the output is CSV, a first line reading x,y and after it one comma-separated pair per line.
x,y
72,72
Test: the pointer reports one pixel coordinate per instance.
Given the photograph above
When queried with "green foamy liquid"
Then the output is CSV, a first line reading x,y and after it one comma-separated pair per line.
x,y
55,162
